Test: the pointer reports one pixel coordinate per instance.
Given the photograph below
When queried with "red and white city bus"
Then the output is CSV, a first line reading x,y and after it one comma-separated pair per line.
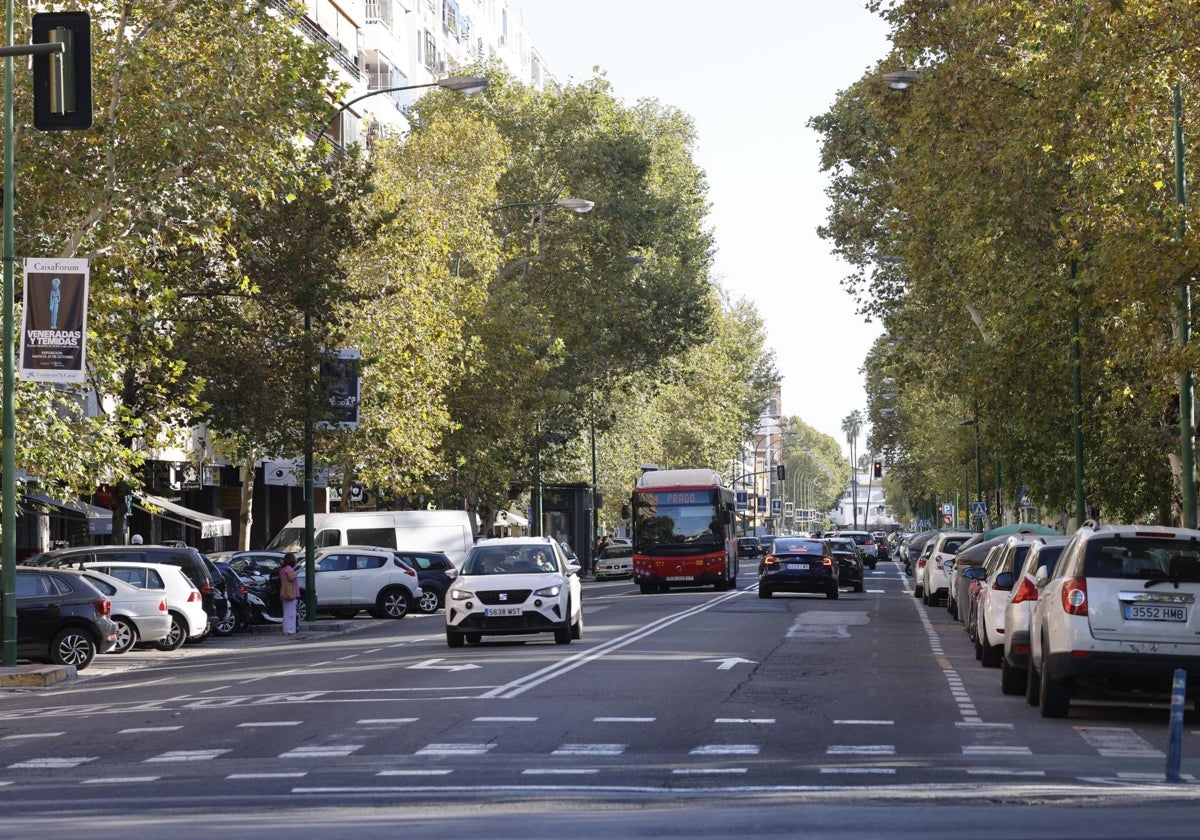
x,y
683,530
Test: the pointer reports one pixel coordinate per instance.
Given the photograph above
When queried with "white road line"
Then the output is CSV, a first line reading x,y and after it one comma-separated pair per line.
x,y
49,763
455,749
500,719
566,771
726,749
996,750
623,720
859,770
185,755
1118,742
415,772
745,720
31,736
299,775
996,771
258,723
122,780
706,771
335,751
866,722
139,729
590,749
861,749
384,721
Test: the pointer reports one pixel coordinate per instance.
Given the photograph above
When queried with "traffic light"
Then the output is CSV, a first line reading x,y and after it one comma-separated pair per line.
x,y
879,469
62,84
779,472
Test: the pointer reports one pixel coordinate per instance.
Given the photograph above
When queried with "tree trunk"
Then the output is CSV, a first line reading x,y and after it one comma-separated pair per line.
x,y
246,514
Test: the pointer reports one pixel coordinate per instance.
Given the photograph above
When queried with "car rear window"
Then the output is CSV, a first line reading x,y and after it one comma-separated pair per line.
x,y
798,546
1143,559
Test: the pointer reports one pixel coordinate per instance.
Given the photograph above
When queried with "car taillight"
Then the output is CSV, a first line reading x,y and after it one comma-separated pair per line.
x,y
207,587
102,605
921,563
409,571
769,560
827,563
1027,591
1074,596
162,605
242,589
193,596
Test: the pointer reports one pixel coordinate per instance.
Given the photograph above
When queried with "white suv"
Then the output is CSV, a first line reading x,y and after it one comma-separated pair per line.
x,y
352,578
515,586
1118,611
931,581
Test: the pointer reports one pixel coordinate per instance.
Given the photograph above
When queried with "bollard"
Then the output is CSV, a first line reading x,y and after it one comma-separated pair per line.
x,y
1175,748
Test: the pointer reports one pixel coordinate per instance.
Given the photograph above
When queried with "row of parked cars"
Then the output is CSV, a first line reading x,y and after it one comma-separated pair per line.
x,y
1108,612
73,604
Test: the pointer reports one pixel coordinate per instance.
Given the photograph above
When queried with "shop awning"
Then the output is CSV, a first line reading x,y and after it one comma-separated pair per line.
x,y
99,520
208,525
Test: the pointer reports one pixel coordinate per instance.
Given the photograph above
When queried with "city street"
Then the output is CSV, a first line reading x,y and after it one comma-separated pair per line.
x,y
689,713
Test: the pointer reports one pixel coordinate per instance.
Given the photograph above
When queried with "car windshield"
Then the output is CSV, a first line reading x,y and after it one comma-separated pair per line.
x,y
510,560
1143,559
617,551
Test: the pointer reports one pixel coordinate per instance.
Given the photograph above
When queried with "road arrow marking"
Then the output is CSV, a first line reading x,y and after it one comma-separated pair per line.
x,y
727,664
432,665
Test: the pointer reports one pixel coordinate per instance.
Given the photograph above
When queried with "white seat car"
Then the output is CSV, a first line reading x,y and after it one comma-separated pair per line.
x,y
140,614
931,581
1117,613
995,590
614,561
1043,553
515,586
352,578
185,604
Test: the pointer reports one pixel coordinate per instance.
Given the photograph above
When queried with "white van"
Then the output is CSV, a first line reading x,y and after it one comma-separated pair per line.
x,y
448,531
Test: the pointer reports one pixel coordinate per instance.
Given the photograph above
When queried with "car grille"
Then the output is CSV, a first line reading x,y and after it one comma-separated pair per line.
x,y
504,597
527,621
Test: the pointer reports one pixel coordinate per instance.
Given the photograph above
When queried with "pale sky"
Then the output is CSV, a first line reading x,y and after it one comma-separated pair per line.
x,y
751,75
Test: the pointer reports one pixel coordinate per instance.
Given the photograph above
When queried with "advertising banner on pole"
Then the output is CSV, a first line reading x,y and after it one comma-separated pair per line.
x,y
54,327
339,375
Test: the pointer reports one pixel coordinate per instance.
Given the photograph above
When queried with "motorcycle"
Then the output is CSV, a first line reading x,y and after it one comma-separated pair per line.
x,y
263,602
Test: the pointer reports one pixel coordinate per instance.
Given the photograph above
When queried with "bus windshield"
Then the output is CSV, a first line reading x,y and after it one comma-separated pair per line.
x,y
679,519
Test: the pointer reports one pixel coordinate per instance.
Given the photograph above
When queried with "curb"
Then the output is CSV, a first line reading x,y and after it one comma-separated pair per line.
x,y
36,676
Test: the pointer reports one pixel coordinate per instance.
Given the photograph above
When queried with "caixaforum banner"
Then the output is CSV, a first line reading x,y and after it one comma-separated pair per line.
x,y
54,326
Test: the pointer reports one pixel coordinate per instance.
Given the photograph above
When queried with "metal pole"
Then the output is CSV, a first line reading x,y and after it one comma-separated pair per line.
x,y
310,544
8,484
595,521
1175,738
1187,440
978,467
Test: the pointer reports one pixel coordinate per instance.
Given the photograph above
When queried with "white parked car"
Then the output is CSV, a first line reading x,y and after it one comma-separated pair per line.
x,y
185,604
1043,553
995,590
353,578
140,614
1118,611
614,561
931,581
515,586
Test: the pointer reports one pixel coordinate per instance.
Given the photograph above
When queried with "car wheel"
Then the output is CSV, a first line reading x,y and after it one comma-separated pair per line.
x,y
392,603
175,637
126,635
1054,695
918,592
1012,680
562,635
832,594
646,588
474,638
301,608
225,625
577,627
429,602
454,639
991,655
952,608
763,592
73,646
858,587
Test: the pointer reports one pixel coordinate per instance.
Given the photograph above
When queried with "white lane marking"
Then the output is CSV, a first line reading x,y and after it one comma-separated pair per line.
x,y
299,775
529,681
566,771
866,722
728,663
706,771
996,771
186,755
139,729
258,723
1118,742
500,719
726,749
384,721
861,749
214,690
415,772
590,749
996,750
977,725
333,751
754,721
455,749
859,770
49,763
623,720
31,736
122,780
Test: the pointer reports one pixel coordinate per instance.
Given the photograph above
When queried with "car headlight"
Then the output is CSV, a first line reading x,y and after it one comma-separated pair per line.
x,y
460,594
549,591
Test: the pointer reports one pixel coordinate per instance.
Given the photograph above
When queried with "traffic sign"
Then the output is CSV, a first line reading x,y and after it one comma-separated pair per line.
x,y
947,509
979,509
947,518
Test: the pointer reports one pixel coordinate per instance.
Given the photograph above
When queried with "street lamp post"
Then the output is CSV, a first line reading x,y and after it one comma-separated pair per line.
x,y
974,421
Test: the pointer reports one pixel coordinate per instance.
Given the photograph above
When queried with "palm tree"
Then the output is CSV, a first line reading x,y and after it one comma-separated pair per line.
x,y
852,426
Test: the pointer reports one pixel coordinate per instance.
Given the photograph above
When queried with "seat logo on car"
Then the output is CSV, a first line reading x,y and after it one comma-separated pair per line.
x,y
503,596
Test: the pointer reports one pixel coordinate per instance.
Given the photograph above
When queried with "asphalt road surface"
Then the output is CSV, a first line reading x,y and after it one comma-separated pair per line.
x,y
692,713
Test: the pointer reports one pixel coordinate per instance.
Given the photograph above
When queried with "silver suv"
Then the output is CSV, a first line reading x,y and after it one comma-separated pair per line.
x,y
353,578
1117,612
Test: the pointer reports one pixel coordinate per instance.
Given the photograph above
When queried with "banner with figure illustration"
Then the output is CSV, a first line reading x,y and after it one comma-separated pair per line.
x,y
54,326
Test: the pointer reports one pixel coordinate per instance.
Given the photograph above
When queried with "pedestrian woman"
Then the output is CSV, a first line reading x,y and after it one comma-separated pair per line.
x,y
288,593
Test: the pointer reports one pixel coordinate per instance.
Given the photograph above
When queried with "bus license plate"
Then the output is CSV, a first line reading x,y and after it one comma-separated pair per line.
x,y
796,567
501,611
1155,612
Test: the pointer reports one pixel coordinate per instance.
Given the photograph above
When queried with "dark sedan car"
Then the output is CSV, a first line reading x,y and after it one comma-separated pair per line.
x,y
749,547
61,618
798,564
850,561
